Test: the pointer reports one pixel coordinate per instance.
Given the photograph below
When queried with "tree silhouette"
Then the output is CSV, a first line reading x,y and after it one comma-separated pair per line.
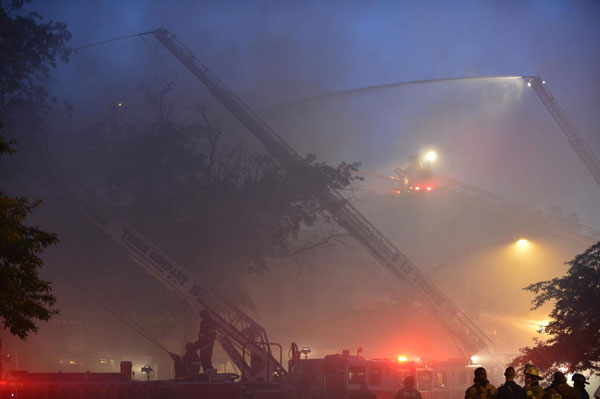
x,y
24,297
574,331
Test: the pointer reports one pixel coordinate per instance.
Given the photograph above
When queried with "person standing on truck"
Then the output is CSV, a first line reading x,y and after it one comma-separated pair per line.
x,y
188,365
510,389
206,341
409,391
481,389
191,361
532,382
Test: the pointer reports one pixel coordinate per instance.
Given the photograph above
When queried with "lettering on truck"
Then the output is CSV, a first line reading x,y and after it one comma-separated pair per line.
x,y
133,242
174,274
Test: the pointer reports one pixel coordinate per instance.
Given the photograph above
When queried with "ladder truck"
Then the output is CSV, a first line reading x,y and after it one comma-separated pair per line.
x,y
477,198
582,149
243,339
469,338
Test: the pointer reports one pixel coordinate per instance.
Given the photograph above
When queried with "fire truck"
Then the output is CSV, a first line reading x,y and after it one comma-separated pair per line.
x,y
352,376
338,376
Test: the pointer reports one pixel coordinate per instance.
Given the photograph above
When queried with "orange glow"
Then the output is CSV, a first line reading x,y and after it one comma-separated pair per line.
x,y
564,369
402,359
522,243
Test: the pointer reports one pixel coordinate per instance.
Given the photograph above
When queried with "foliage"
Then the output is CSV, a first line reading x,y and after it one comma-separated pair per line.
x,y
210,199
30,49
574,331
24,297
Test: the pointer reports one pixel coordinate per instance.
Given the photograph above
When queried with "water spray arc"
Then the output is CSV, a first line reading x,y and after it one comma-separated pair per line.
x,y
582,149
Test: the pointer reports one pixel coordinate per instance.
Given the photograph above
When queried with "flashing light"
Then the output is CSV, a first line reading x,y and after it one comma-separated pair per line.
x,y
402,359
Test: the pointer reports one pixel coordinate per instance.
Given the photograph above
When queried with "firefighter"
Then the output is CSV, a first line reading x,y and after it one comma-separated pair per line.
x,y
559,389
510,390
409,391
206,341
188,365
481,389
191,360
579,382
532,382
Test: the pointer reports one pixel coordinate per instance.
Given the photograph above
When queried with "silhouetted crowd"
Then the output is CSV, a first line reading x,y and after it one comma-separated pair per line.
x,y
558,389
482,389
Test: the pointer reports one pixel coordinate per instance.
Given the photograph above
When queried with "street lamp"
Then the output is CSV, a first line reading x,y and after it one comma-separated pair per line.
x,y
471,310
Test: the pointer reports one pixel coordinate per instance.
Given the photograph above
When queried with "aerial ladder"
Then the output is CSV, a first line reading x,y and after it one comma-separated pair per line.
x,y
469,338
243,339
554,223
582,149
567,227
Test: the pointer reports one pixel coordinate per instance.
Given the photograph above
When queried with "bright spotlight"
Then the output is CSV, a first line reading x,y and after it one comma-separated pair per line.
x,y
528,84
522,243
431,156
402,359
474,359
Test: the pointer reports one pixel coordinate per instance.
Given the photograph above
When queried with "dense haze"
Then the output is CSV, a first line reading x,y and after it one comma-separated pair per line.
x,y
493,133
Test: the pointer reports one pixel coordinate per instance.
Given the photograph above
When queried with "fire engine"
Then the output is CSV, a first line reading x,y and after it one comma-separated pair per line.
x,y
352,376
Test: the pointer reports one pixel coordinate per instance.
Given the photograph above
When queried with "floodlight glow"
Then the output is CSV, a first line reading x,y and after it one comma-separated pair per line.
x,y
402,359
431,156
474,359
522,243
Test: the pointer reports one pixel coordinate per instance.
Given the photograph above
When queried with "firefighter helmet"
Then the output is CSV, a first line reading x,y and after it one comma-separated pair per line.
x,y
559,378
579,378
531,370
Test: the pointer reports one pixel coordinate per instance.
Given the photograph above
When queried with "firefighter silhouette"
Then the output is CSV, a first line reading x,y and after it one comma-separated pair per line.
x,y
206,340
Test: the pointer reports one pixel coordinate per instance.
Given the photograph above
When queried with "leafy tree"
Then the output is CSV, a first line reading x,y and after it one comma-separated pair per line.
x,y
221,206
24,297
30,49
574,332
